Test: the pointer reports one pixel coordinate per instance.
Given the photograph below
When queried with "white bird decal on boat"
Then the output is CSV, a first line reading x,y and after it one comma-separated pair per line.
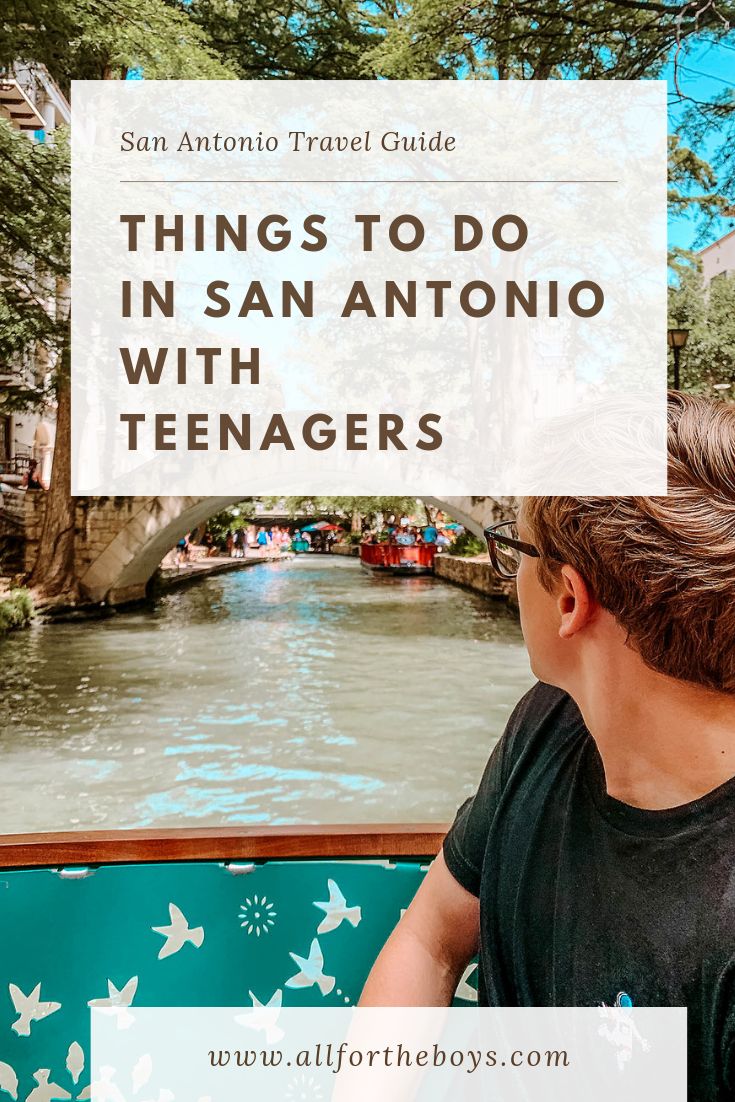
x,y
264,1017
164,1095
178,933
8,1080
336,910
118,1001
75,1060
464,990
46,1091
104,1089
29,1008
142,1072
311,971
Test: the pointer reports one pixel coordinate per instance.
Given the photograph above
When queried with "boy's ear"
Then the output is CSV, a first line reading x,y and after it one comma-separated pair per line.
x,y
575,603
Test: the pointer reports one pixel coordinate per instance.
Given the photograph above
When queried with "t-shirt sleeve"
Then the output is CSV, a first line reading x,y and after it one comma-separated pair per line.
x,y
465,844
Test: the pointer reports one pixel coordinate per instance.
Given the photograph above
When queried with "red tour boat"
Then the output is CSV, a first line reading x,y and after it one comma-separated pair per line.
x,y
392,558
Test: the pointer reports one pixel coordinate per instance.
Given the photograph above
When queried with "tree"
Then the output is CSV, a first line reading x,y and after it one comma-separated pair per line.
x,y
34,261
579,39
693,188
292,39
356,508
34,315
711,123
105,39
74,39
504,39
541,39
232,519
708,361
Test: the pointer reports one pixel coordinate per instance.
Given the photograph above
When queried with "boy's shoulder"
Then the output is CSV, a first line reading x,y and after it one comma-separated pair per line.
x,y
544,704
543,722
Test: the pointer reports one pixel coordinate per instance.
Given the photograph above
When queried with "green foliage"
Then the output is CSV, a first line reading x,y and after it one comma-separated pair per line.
x,y
75,39
466,544
101,39
581,39
293,39
709,313
539,39
351,507
711,124
692,186
231,519
16,610
34,261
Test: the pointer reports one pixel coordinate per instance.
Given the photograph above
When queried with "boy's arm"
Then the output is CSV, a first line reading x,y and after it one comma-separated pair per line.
x,y
423,959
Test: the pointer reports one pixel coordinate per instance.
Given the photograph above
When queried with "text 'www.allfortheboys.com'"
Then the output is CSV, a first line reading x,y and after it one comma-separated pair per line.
x,y
343,1056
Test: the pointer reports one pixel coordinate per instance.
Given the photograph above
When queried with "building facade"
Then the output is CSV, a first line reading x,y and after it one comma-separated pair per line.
x,y
718,259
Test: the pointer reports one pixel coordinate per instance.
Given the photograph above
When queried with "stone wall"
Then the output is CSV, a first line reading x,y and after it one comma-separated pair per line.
x,y
474,573
98,523
99,520
34,502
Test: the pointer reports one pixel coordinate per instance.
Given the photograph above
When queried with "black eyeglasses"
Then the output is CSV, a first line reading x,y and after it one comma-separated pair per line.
x,y
506,548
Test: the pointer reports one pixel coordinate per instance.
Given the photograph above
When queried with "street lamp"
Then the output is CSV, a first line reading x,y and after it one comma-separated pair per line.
x,y
677,339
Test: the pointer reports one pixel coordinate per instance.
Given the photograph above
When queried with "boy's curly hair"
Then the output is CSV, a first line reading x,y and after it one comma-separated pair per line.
x,y
663,566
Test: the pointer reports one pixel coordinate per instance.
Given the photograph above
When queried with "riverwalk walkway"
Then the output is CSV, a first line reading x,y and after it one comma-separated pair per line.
x,y
171,576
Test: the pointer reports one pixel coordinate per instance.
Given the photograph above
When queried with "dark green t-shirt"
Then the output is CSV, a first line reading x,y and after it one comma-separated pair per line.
x,y
585,900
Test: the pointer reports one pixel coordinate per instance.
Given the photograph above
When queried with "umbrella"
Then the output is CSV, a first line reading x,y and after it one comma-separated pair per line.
x,y
320,526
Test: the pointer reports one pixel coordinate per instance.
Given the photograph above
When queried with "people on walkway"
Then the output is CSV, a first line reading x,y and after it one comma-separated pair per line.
x,y
32,480
210,547
238,544
183,551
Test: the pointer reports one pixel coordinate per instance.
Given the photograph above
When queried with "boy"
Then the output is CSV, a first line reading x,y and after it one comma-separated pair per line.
x,y
597,860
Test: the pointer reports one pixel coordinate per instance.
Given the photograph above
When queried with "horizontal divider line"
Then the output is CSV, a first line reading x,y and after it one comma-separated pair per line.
x,y
156,181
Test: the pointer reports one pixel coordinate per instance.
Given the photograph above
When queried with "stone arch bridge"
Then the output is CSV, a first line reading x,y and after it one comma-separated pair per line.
x,y
120,541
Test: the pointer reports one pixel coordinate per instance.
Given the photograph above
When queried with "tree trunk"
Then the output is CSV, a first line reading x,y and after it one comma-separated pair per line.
x,y
53,572
356,521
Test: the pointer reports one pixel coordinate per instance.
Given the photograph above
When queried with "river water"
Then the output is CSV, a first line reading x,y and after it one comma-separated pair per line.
x,y
303,691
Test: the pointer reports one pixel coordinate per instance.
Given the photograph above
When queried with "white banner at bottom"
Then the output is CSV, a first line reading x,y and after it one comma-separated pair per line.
x,y
226,1054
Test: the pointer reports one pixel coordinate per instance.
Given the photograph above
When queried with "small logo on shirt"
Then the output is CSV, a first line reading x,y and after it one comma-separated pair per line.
x,y
620,1029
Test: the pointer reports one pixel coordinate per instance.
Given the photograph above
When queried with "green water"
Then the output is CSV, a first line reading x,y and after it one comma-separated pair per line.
x,y
305,691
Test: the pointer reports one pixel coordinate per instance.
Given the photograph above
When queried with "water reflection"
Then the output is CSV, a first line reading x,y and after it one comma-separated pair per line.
x,y
305,691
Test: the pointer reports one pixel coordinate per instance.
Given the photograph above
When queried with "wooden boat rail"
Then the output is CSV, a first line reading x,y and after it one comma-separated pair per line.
x,y
261,843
